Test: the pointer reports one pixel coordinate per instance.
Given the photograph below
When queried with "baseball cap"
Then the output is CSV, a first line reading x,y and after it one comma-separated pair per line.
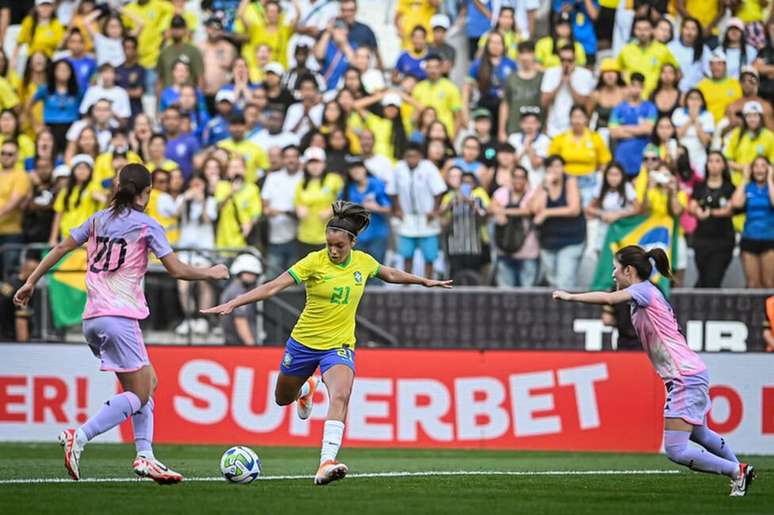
x,y
61,171
314,154
275,68
481,113
353,161
718,55
734,23
609,65
225,95
752,107
440,20
214,21
531,110
87,159
392,99
41,2
749,70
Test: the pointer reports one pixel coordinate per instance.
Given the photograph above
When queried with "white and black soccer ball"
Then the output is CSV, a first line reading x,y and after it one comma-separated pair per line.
x,y
240,465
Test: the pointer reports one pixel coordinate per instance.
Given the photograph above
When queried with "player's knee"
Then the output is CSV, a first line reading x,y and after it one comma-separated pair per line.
x,y
676,452
143,395
340,397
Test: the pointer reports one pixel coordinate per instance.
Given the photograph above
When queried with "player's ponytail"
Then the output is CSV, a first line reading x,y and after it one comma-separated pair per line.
x,y
635,256
133,179
349,217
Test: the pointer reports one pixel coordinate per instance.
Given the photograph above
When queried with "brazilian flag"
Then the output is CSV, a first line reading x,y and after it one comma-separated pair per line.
x,y
647,231
67,289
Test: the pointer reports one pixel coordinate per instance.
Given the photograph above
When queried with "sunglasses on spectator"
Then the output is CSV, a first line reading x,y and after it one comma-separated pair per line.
x,y
566,60
7,154
650,158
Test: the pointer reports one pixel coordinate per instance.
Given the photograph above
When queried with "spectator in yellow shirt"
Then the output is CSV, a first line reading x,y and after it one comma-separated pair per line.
x,y
314,196
719,90
40,30
412,13
239,206
15,187
547,48
270,27
76,202
439,93
584,152
155,15
645,55
749,141
256,158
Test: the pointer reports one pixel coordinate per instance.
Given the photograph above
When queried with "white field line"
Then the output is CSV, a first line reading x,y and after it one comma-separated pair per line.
x,y
429,473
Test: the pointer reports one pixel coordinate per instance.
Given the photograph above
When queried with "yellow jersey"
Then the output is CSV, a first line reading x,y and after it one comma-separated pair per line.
x,y
13,184
104,170
317,197
648,61
703,11
583,155
156,15
46,38
74,211
545,55
719,94
8,97
443,96
244,206
333,293
743,149
168,222
750,11
254,155
413,13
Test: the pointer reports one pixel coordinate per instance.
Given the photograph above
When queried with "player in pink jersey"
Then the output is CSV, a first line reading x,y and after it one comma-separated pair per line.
x,y
118,240
682,370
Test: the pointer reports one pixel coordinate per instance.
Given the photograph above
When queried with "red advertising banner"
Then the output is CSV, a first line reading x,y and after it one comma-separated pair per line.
x,y
402,398
418,398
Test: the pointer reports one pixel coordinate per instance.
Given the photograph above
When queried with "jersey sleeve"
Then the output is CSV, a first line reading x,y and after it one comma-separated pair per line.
x,y
372,265
157,240
304,269
81,233
641,293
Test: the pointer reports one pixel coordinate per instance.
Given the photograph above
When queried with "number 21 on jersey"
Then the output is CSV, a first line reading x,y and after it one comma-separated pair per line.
x,y
340,295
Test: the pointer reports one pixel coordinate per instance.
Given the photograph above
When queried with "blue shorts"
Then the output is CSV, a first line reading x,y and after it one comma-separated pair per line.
x,y
428,245
300,360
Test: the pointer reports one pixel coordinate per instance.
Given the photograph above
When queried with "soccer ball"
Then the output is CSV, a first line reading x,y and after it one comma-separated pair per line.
x,y
240,465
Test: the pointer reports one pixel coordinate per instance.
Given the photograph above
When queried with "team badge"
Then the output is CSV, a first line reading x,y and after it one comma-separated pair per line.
x,y
287,359
358,278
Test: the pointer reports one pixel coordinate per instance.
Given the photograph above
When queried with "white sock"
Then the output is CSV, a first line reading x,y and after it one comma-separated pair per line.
x,y
80,438
332,435
148,455
304,390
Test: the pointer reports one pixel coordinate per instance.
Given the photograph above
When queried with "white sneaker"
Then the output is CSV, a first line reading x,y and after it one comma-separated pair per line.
x,y
304,404
184,328
72,453
200,326
157,471
330,470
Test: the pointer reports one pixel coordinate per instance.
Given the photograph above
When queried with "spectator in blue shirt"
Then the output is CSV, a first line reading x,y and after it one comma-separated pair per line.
x,y
584,14
487,78
181,75
360,34
131,76
631,124
61,99
217,128
412,61
334,52
181,147
755,195
83,64
370,192
478,23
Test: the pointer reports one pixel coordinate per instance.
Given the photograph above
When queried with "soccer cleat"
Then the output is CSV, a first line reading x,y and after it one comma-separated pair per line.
x,y
742,483
155,470
72,453
304,404
330,470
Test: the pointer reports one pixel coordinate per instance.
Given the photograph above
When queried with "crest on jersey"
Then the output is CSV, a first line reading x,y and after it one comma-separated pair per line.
x,y
358,278
287,359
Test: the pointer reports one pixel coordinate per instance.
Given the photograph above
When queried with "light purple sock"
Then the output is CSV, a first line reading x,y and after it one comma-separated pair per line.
x,y
113,412
142,422
680,451
713,442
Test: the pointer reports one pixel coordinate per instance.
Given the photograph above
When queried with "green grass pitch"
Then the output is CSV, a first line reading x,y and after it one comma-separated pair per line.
x,y
599,493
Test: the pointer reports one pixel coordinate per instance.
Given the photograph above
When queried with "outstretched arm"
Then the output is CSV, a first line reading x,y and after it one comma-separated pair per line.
x,y
594,297
258,294
180,270
22,296
395,276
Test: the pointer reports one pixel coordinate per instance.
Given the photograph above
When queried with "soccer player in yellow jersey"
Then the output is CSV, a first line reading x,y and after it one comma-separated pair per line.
x,y
324,335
